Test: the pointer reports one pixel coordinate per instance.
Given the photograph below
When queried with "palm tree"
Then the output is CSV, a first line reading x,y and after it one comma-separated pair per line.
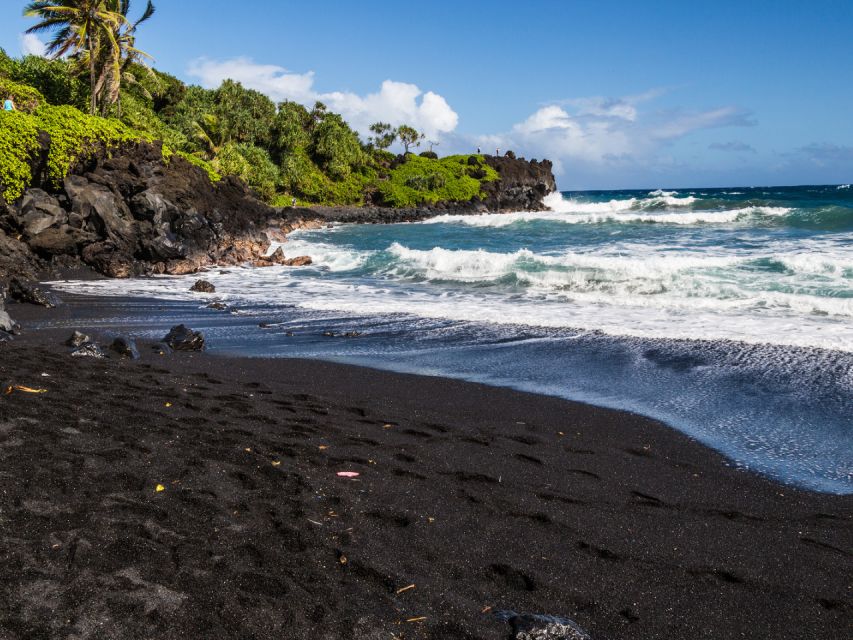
x,y
125,54
81,28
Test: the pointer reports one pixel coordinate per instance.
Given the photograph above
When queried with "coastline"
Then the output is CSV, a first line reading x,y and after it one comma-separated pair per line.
x,y
621,523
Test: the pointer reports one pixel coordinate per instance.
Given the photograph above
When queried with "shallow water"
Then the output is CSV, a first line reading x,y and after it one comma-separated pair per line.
x,y
727,314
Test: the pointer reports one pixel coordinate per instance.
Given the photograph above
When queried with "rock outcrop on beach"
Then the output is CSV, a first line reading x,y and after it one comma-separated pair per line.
x,y
130,212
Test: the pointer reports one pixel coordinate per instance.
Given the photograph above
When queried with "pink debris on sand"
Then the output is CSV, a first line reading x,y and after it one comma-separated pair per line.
x,y
348,474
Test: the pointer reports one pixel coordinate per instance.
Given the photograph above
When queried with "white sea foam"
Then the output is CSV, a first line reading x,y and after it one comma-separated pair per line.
x,y
331,257
613,211
788,291
638,315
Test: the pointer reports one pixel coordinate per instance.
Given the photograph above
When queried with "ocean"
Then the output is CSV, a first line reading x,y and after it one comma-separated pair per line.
x,y
726,313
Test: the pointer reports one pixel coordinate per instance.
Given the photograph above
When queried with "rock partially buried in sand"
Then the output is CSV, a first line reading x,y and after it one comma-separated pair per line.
x,y
125,347
219,306
7,325
529,626
29,292
77,339
203,286
88,350
182,338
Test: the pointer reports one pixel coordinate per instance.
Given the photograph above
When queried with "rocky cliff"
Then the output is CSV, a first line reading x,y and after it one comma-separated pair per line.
x,y
131,213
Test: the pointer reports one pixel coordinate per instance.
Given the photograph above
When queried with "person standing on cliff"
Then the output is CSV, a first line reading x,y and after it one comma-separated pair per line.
x,y
8,105
497,152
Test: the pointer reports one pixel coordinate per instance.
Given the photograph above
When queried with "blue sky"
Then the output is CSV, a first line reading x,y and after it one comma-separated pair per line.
x,y
619,94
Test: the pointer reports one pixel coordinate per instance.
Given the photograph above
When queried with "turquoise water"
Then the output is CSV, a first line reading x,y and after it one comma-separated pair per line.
x,y
727,313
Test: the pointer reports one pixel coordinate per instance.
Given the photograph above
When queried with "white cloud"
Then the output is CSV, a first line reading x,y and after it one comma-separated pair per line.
x,y
395,102
31,45
608,132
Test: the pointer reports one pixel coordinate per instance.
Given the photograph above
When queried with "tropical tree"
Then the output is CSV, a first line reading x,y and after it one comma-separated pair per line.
x,y
290,129
384,135
245,115
81,28
120,60
409,137
335,147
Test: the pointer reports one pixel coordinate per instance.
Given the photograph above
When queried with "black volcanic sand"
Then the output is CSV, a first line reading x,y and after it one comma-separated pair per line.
x,y
484,499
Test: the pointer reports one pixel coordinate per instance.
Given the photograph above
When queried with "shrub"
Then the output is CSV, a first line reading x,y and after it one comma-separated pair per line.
x,y
18,141
54,79
425,181
26,98
75,135
250,163
432,155
6,64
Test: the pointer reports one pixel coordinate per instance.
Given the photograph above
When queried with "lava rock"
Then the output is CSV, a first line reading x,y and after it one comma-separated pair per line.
x,y
219,306
77,339
527,626
125,347
89,350
203,286
29,292
7,325
182,338
299,261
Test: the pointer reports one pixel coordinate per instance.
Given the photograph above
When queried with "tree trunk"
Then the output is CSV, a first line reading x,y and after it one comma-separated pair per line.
x,y
94,103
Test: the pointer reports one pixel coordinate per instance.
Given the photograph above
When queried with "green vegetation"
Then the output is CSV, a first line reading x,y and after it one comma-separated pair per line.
x,y
18,139
73,136
282,151
424,180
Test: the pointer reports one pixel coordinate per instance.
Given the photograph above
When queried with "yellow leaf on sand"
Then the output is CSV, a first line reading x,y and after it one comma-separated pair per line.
x,y
275,463
159,488
323,447
168,404
19,387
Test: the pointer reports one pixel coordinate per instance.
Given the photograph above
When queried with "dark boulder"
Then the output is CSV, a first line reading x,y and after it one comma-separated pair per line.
x,y
298,261
203,286
182,338
61,240
526,626
106,211
38,211
125,347
7,325
29,292
109,260
88,350
165,245
219,306
77,339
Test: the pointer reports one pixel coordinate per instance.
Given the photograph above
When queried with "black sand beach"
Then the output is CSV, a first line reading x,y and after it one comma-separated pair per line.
x,y
470,500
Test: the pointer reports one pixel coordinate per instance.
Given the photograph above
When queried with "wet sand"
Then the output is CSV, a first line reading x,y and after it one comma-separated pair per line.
x,y
482,498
